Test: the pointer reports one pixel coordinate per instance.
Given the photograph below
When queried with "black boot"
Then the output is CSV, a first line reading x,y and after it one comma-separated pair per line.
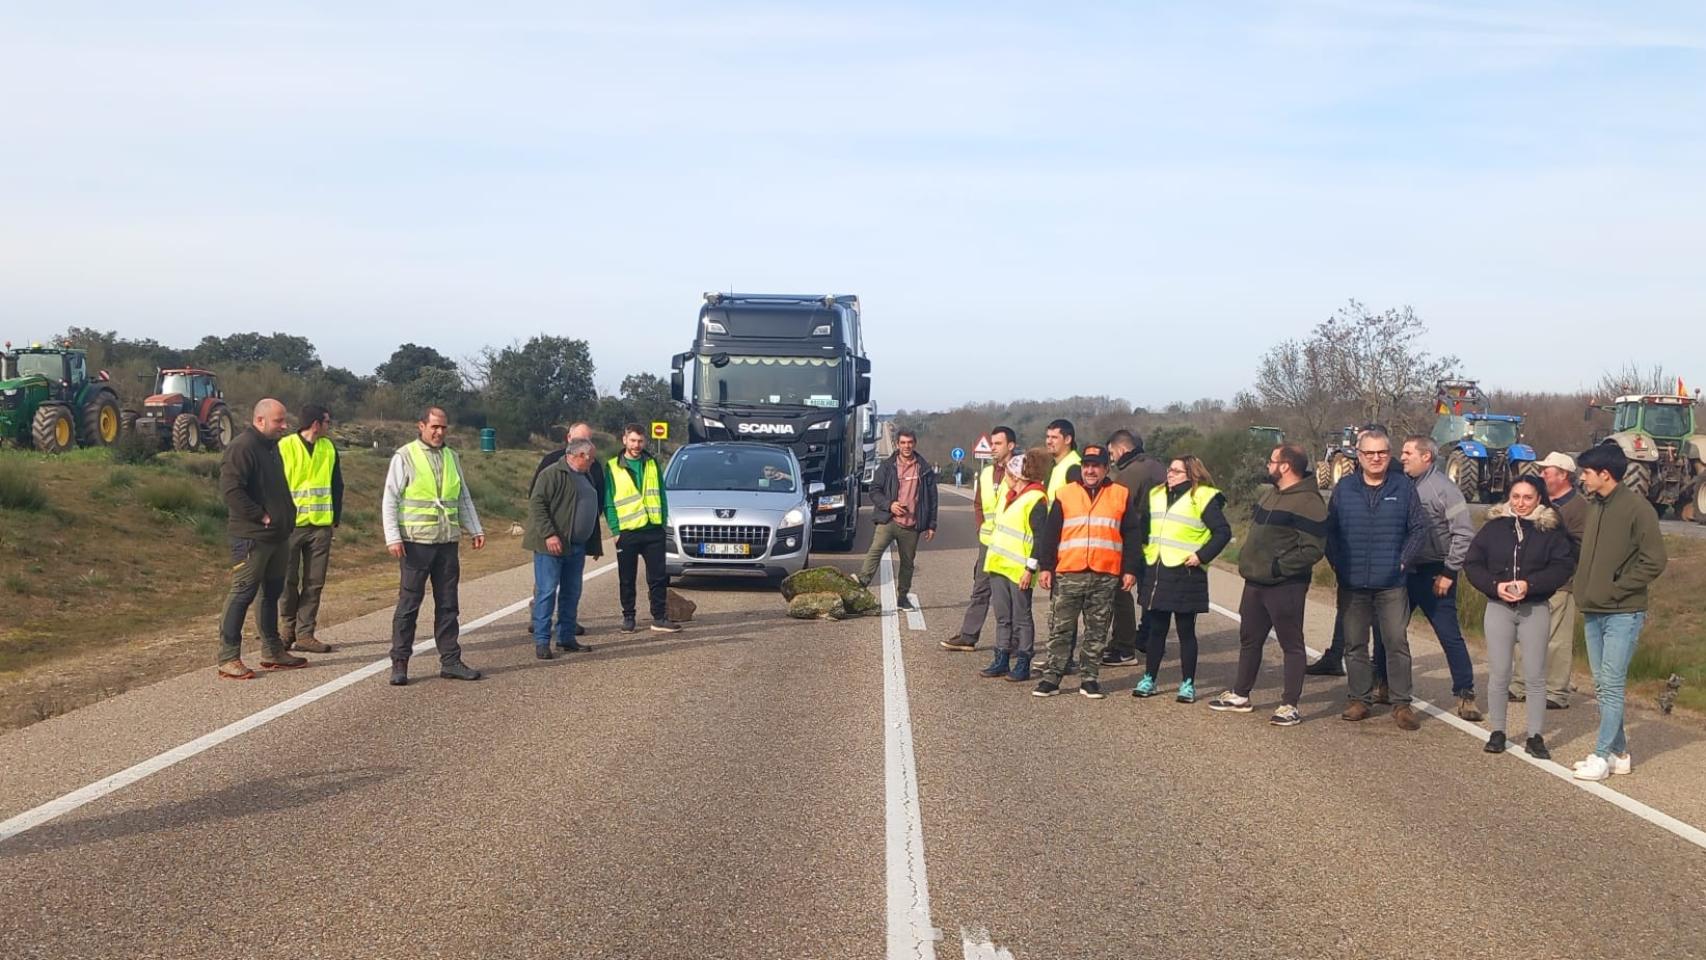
x,y
1496,742
399,673
1536,747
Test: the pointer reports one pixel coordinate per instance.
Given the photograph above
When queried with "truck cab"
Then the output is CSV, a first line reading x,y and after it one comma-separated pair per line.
x,y
789,370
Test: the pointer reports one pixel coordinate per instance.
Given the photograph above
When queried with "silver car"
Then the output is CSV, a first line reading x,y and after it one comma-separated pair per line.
x,y
737,509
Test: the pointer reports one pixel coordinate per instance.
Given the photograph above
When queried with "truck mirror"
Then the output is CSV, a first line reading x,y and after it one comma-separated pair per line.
x,y
862,392
677,386
815,489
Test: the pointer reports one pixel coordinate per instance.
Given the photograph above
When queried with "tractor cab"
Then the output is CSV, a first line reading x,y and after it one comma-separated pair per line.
x,y
186,411
1666,454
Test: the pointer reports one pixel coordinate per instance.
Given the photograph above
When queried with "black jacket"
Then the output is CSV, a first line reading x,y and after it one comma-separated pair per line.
x,y
885,486
1545,557
251,477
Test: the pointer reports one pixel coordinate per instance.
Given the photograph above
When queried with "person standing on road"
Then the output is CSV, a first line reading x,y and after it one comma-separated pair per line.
x,y
316,481
1375,527
1187,529
986,502
562,531
1011,564
579,430
425,507
1623,552
1062,441
1332,662
1288,536
1432,580
637,511
1138,473
903,501
1090,548
1520,557
1558,472
260,516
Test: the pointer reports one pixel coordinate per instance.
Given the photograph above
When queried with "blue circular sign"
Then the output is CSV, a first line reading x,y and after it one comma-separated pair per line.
x,y
958,453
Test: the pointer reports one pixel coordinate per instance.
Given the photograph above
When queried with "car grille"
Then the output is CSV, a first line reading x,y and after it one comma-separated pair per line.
x,y
694,534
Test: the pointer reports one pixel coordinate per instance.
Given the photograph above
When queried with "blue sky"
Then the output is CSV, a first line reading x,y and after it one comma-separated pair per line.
x,y
1031,201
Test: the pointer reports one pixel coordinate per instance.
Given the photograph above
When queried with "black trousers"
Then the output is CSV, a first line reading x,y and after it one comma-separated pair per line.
x,y
631,545
439,564
1277,608
1131,632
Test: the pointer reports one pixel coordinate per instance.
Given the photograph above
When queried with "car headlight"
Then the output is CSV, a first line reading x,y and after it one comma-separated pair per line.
x,y
794,517
833,501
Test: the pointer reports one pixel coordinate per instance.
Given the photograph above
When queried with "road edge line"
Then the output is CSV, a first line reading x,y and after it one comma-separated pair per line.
x,y
910,933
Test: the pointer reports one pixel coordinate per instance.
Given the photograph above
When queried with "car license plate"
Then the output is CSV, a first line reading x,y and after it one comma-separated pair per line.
x,y
725,549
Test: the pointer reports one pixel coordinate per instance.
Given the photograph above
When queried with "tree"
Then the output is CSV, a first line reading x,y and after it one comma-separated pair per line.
x,y
1378,363
1630,379
293,354
407,362
1296,380
434,387
544,382
646,397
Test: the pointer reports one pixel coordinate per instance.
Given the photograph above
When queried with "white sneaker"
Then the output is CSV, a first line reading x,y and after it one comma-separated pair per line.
x,y
1231,702
1593,768
1622,765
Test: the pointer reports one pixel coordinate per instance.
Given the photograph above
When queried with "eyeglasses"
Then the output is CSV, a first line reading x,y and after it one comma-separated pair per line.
x,y
1375,454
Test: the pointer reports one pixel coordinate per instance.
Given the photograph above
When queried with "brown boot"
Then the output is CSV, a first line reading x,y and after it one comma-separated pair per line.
x,y
283,660
1382,693
234,670
1466,709
1356,711
1405,717
309,645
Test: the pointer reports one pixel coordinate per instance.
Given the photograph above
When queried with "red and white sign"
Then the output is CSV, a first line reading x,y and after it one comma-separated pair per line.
x,y
983,451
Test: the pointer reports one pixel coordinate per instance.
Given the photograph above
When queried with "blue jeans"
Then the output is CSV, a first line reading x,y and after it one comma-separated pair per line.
x,y
1442,616
557,583
1611,645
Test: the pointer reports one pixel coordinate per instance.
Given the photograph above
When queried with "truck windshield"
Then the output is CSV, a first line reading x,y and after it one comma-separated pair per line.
x,y
49,365
747,468
1497,434
770,381
1666,421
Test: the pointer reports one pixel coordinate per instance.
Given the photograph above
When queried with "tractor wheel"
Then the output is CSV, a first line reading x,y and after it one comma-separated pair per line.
x,y
1343,466
1466,473
186,433
1639,478
101,422
51,432
1527,468
1698,503
221,429
127,421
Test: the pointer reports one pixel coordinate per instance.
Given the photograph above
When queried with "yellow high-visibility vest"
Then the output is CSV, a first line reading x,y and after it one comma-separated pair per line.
x,y
309,476
990,493
429,501
1057,479
1010,546
1177,530
636,507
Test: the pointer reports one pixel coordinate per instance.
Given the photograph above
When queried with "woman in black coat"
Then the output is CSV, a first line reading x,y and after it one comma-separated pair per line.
x,y
1519,558
1178,592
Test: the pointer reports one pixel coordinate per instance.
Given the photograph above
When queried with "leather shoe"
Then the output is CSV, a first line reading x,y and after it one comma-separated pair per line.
x,y
1405,717
1322,668
399,673
310,645
544,653
1356,711
573,647
580,630
458,671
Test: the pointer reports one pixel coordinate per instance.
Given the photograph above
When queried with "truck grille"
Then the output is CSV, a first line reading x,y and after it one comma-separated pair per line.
x,y
694,534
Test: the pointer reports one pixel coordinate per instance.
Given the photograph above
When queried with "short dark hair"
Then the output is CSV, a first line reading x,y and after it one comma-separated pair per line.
x,y
907,432
1604,457
1294,456
313,413
1066,429
1125,438
1539,488
628,428
427,412
1008,432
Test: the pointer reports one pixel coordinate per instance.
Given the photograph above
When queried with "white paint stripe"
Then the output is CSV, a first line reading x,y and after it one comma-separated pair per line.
x,y
978,946
53,809
915,616
1309,651
910,935
1655,817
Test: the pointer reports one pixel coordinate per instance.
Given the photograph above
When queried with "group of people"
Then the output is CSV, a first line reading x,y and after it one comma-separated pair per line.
x,y
1107,528
284,496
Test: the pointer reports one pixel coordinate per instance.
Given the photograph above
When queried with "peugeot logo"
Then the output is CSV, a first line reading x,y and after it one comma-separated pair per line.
x,y
725,514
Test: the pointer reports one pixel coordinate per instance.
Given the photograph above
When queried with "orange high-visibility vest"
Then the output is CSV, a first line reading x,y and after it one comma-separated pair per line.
x,y
1090,528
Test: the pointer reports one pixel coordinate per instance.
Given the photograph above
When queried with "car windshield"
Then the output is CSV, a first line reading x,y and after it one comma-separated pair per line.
x,y
49,365
175,383
770,381
1669,420
751,469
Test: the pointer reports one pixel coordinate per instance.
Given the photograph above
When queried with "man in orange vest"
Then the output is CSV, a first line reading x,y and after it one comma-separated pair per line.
x,y
1090,549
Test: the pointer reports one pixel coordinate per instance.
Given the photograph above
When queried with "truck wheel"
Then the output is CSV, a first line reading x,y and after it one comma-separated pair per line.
x,y
186,433
221,429
1466,473
51,430
101,421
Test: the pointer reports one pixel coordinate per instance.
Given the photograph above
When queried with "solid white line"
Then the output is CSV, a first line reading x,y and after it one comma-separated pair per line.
x,y
910,934
1655,817
915,616
53,809
1232,615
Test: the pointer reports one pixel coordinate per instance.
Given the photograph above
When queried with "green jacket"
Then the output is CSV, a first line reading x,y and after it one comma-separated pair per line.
x,y
1622,552
555,504
1288,536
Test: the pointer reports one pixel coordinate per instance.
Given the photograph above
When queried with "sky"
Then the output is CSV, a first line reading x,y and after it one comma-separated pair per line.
x,y
1130,199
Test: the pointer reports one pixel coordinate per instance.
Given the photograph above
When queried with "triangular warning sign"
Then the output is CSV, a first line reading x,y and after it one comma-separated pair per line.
x,y
983,449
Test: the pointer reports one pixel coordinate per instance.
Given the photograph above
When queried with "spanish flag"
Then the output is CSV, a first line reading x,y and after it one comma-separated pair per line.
x,y
1681,390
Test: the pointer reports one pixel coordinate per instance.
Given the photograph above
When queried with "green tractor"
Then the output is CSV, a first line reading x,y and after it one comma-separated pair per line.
x,y
1267,437
49,400
1667,454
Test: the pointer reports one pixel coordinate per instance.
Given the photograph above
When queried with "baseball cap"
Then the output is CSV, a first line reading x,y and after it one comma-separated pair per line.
x,y
1562,461
1094,453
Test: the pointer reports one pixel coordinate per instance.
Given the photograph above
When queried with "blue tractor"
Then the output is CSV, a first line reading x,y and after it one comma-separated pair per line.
x,y
1481,452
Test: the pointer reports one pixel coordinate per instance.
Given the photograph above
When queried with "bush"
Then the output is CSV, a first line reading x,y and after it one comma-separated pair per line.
x,y
19,489
181,498
133,447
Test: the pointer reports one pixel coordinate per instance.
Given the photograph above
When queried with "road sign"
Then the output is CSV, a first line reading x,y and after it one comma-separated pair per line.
x,y
983,451
660,430
958,453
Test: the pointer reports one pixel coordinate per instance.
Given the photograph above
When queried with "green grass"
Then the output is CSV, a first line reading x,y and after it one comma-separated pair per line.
x,y
15,583
19,489
120,478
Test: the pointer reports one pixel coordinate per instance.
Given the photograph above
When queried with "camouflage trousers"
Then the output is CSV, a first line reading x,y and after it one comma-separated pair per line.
x,y
1086,594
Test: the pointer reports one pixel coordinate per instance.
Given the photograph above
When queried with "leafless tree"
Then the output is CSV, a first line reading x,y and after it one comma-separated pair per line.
x,y
1295,380
1378,362
1630,378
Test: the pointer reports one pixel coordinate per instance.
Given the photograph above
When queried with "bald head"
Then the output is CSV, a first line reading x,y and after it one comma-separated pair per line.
x,y
580,431
270,420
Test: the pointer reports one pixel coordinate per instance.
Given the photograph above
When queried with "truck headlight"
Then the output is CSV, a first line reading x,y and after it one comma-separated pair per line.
x,y
820,425
833,501
713,423
794,517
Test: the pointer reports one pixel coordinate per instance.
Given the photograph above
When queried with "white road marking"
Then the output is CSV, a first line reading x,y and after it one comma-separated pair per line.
x,y
1309,651
915,616
910,934
1655,817
53,809
978,946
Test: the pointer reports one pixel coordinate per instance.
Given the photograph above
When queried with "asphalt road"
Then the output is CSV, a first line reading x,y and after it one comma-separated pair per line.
x,y
735,791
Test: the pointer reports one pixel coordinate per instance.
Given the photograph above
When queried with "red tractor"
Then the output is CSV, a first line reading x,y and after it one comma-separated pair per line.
x,y
186,412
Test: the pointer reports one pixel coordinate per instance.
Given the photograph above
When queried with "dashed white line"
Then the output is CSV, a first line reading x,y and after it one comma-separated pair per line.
x,y
53,809
915,616
910,933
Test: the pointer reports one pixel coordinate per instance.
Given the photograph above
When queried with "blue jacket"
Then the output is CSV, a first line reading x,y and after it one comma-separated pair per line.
x,y
1374,533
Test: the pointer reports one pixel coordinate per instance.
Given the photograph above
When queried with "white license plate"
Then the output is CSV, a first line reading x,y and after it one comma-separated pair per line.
x,y
725,549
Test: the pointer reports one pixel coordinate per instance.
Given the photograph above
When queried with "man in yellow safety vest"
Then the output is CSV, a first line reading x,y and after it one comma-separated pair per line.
x,y
988,496
637,512
317,485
